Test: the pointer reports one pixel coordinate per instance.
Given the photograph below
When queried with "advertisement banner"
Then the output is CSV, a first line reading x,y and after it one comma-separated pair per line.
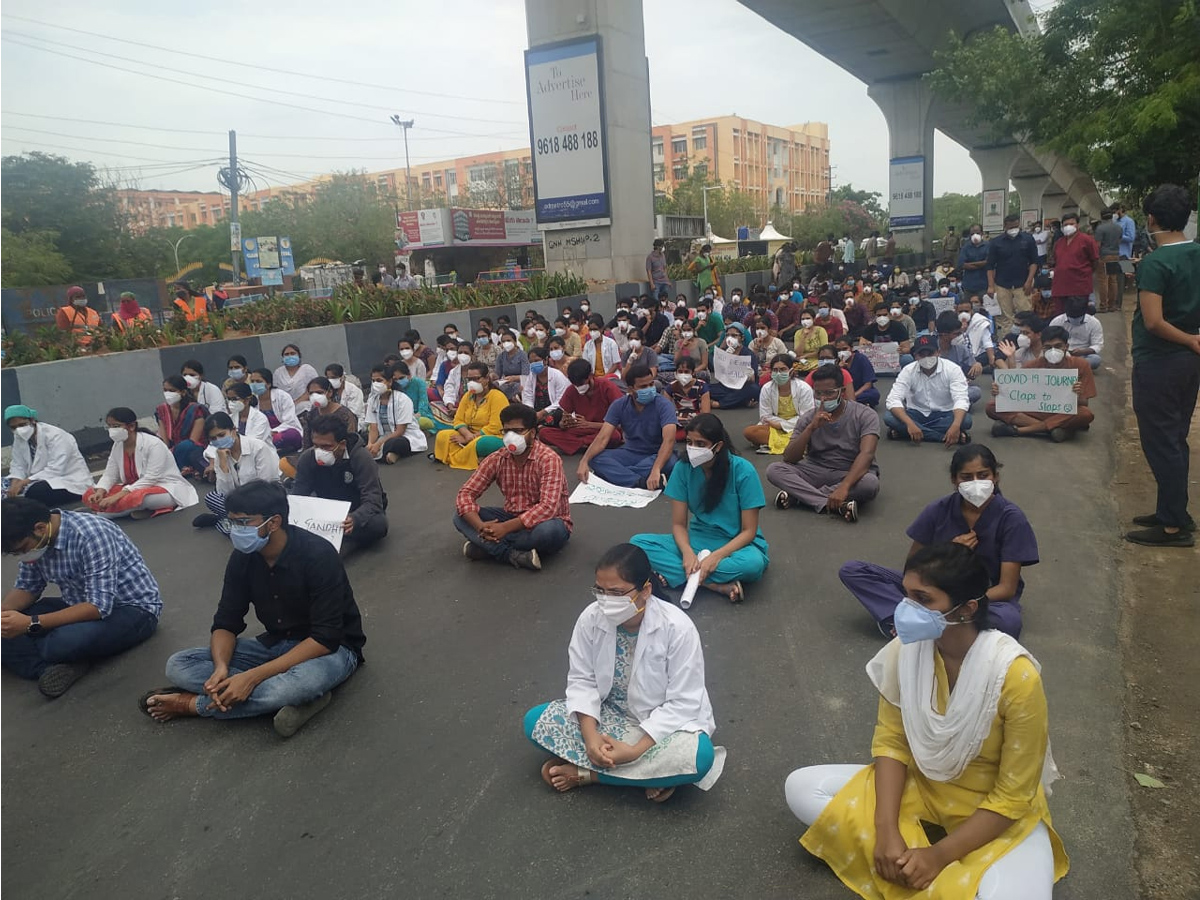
x,y
993,211
286,260
468,227
1029,217
906,192
423,228
566,131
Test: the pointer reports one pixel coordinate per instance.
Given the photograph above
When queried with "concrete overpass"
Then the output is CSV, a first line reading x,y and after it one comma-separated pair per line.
x,y
889,45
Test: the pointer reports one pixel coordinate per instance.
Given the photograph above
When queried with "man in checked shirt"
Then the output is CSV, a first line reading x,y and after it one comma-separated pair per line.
x,y
109,600
536,517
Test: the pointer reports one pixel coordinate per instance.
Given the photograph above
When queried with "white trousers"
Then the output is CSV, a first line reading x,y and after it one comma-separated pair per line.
x,y
1024,873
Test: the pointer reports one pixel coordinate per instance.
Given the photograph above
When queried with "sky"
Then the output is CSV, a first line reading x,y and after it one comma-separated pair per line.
x,y
139,107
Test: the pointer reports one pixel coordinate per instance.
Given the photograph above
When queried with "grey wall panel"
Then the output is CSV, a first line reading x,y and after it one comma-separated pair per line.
x,y
214,356
370,342
318,346
10,394
493,312
547,308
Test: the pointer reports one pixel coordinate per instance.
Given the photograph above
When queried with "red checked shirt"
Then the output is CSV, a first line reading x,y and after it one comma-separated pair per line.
x,y
535,490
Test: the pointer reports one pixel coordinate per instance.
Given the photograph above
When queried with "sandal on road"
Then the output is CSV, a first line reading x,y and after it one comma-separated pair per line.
x,y
142,701
579,779
661,795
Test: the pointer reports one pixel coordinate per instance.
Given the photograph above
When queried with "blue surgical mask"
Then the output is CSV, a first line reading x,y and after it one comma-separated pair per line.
x,y
225,442
915,622
246,538
646,395
291,360
237,374
401,383
258,388
537,368
831,405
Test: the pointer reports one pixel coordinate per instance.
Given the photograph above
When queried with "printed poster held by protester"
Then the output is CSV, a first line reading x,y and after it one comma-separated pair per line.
x,y
731,370
885,357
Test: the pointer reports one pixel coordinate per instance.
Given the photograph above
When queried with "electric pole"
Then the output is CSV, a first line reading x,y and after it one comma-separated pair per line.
x,y
234,226
406,124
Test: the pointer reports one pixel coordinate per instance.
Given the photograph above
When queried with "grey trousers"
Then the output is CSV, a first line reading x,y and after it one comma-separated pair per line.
x,y
811,484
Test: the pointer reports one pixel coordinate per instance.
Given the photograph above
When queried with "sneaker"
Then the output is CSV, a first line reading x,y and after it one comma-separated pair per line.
x,y
1058,435
205,520
525,559
1003,429
894,435
1158,537
1151,521
782,500
763,450
849,510
291,719
474,552
57,678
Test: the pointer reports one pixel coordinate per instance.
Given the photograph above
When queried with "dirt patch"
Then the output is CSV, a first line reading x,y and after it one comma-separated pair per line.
x,y
1160,634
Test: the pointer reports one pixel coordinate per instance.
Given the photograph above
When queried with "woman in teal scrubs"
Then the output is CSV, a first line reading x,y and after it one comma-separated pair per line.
x,y
723,495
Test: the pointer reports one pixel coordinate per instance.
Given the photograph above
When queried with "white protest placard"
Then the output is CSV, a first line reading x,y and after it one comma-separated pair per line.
x,y
992,305
320,516
885,358
731,370
1037,390
599,492
943,304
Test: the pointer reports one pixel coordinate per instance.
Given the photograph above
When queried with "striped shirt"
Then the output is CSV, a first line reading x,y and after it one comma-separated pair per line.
x,y
93,561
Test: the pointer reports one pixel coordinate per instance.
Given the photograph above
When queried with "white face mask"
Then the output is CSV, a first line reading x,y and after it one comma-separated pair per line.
x,y
116,435
406,355
617,608
540,335
687,335
324,457
318,400
881,321
623,325
844,355
928,363
698,456
236,407
1055,355
515,443
583,388
594,335
684,378
172,397
635,344
336,382
24,432
977,492
1023,341
977,239
464,358
701,315
1012,232
475,387
556,355
964,317
762,332
508,346
379,387
1069,230
191,381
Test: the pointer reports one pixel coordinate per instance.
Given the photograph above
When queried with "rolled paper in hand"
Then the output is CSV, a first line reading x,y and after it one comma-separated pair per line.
x,y
693,582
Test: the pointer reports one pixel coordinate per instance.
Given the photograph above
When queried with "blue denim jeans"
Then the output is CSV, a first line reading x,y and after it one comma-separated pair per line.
x,y
189,669
546,538
29,656
933,426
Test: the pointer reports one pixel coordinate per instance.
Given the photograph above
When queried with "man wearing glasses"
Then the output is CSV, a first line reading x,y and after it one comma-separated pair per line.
x,y
535,520
313,641
829,464
109,600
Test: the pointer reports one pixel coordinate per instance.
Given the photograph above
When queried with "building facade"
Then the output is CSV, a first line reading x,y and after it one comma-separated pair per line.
x,y
181,209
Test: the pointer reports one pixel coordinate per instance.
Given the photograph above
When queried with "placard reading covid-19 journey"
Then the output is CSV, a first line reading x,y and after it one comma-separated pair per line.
x,y
566,132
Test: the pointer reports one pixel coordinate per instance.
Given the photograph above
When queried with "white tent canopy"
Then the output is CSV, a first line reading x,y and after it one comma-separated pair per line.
x,y
770,234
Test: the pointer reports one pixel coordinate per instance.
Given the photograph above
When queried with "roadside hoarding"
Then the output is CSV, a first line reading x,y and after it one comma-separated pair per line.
x,y
906,192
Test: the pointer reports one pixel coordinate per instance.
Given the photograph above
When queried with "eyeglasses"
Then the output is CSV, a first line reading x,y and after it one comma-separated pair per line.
x,y
599,592
828,395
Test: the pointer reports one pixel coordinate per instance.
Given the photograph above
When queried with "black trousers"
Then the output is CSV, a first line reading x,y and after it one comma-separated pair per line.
x,y
52,497
1164,399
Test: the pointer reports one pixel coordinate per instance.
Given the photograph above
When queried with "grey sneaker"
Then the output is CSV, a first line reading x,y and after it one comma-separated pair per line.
x,y
291,719
57,678
474,552
525,559
1058,435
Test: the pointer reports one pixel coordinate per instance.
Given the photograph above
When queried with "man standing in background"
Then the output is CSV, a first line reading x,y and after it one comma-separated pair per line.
x,y
1011,264
1109,236
1128,232
951,244
656,268
1076,259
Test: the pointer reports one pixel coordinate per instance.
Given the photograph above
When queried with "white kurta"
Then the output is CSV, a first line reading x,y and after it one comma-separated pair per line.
x,y
57,460
258,462
156,468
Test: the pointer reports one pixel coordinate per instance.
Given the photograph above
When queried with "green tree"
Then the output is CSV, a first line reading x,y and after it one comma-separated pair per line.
x,y
31,259
959,210
728,208
844,217
1113,85
868,200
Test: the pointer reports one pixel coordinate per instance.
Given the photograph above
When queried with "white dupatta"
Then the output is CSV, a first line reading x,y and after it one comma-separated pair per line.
x,y
944,744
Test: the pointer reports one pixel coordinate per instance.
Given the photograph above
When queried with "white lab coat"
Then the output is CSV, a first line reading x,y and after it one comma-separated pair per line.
x,y
57,461
284,408
211,397
452,389
768,403
556,383
258,462
257,425
352,398
156,468
666,686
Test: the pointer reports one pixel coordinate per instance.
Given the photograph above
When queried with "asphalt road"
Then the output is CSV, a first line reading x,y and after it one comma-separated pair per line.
x,y
418,782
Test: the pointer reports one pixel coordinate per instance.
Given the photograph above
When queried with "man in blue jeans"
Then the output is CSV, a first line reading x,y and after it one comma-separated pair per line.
x,y
536,518
313,641
930,399
110,601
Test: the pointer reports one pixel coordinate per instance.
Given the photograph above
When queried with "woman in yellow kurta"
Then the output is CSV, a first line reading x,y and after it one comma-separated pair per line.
x,y
975,761
809,338
476,431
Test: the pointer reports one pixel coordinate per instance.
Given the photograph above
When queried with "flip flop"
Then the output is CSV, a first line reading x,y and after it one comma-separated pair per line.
x,y
163,690
738,594
663,796
580,778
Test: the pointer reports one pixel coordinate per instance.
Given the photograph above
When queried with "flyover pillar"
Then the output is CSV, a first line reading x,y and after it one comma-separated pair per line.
x,y
1031,189
995,167
906,107
609,247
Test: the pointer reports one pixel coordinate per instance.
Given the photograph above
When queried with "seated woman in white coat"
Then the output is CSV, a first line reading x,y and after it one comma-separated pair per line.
x,y
233,460
141,479
782,400
636,712
543,387
46,463
961,741
243,410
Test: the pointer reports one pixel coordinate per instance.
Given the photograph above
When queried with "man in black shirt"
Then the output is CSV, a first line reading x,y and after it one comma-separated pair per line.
x,y
886,330
314,638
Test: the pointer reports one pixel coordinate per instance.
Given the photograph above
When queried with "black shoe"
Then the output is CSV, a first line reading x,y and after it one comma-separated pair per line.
x,y
205,520
57,678
291,719
964,437
1151,521
1003,429
525,559
894,435
1159,537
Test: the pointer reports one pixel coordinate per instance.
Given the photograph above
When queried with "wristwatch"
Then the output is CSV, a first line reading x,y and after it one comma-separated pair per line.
x,y
35,626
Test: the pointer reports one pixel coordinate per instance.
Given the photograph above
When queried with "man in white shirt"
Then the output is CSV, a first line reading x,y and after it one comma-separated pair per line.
x,y
929,400
976,335
1084,331
1041,237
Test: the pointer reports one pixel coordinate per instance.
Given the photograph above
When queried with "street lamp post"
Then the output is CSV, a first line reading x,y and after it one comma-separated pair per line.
x,y
404,125
705,190
175,248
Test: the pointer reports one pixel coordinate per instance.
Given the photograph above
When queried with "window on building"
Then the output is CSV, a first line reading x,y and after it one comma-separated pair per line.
x,y
426,181
437,181
451,177
679,172
660,172
699,138
656,148
481,174
679,145
702,169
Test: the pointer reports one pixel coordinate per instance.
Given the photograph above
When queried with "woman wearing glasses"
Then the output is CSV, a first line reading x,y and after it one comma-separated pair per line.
x,y
636,711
